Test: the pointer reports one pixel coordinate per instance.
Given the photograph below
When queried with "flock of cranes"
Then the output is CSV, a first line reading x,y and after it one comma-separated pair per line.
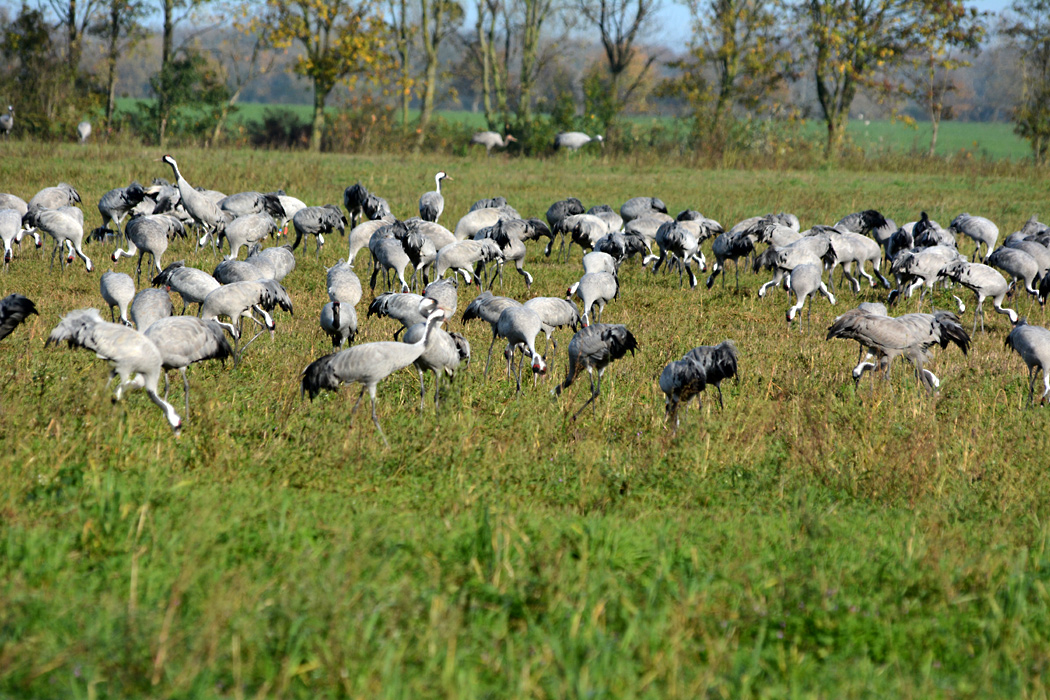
x,y
145,338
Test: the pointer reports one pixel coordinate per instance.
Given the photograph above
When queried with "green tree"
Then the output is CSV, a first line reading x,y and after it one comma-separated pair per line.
x,y
119,28
738,44
950,31
195,94
439,19
856,44
1027,26
340,39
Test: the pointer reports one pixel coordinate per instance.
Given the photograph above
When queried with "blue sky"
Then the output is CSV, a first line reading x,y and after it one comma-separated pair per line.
x,y
674,16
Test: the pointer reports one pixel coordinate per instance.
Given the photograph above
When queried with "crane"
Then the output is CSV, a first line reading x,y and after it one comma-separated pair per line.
x,y
594,347
490,140
149,234
1032,343
574,140
431,204
118,290
186,340
14,309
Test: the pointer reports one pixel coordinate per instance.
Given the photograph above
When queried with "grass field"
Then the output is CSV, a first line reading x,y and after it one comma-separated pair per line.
x,y
812,540
990,140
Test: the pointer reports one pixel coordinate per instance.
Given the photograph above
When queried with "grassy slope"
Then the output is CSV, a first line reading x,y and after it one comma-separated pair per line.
x,y
811,540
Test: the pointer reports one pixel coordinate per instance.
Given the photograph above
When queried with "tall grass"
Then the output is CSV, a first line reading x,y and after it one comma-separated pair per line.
x,y
813,539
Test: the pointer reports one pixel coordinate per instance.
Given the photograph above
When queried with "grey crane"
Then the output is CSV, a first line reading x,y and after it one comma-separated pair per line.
x,y
847,248
574,140
980,229
343,285
367,365
621,246
554,313
419,248
117,204
583,229
718,362
360,202
66,228
431,204
444,295
280,258
150,305
1040,252
491,139
230,271
805,280
680,381
920,267
1018,264
131,355
317,221
599,261
594,348
442,356
248,230
911,336
390,255
339,321
806,250
361,234
438,234
512,249
400,307
290,205
205,212
118,290
496,202
61,195
7,121
149,234
594,288
473,222
460,257
862,222
640,207
557,212
10,228
1032,343
646,227
14,310
247,203
237,300
13,201
191,284
613,221
520,326
676,240
184,341
83,131
729,246
985,282
488,308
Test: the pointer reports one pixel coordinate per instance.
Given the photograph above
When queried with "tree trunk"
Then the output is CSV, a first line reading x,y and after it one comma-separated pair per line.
x,y
220,124
935,123
405,57
167,49
486,69
431,13
317,128
111,61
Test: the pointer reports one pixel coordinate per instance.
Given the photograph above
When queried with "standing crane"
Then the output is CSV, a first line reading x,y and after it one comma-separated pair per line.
x,y
117,204
1032,343
187,340
367,365
490,140
574,140
206,213
431,204
83,131
594,348
191,284
118,290
488,308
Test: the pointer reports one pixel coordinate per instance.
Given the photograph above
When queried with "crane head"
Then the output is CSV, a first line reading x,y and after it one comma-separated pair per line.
x,y
538,365
510,138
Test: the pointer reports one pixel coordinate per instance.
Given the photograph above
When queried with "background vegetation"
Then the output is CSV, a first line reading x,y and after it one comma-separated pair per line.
x,y
811,540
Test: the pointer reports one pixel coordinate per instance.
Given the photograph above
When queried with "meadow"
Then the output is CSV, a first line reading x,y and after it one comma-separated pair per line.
x,y
813,539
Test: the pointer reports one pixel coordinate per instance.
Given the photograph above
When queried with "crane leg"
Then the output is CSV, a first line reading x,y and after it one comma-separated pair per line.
x,y
423,391
185,388
491,345
358,402
721,406
595,390
1031,385
375,418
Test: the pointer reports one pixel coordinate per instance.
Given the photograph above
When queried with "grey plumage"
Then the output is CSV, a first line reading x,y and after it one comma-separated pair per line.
x,y
150,305
186,340
238,299
7,121
118,203
389,255
205,212
280,258
639,207
10,228
361,234
717,363
83,131
594,288
343,285
14,309
360,202
400,307
490,203
574,140
66,228
230,271
599,261
490,140
366,364
594,348
919,267
130,354
118,290
339,321
804,281
980,229
191,284
444,295
488,308
554,313
520,325
248,230
675,240
442,357
431,204
985,282
61,195
680,381
247,203
1018,264
317,221
13,201
149,234
729,246
461,256
556,213
1032,343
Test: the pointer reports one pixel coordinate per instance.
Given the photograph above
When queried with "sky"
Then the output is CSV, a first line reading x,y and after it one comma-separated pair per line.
x,y
675,23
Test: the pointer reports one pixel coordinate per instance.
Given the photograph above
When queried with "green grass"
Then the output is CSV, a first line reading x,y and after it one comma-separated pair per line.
x,y
811,540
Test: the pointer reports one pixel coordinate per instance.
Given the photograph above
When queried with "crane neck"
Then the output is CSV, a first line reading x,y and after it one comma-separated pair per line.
x,y
437,183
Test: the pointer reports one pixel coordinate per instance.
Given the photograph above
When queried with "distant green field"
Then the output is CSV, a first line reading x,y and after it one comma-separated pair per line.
x,y
992,141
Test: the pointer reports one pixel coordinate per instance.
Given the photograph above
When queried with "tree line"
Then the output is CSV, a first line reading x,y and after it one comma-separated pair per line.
x,y
746,61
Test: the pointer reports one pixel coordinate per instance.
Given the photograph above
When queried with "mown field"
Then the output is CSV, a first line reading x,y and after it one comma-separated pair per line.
x,y
811,540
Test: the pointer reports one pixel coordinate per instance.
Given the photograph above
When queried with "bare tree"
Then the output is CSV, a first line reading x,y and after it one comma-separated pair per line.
x,y
439,19
120,29
621,24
